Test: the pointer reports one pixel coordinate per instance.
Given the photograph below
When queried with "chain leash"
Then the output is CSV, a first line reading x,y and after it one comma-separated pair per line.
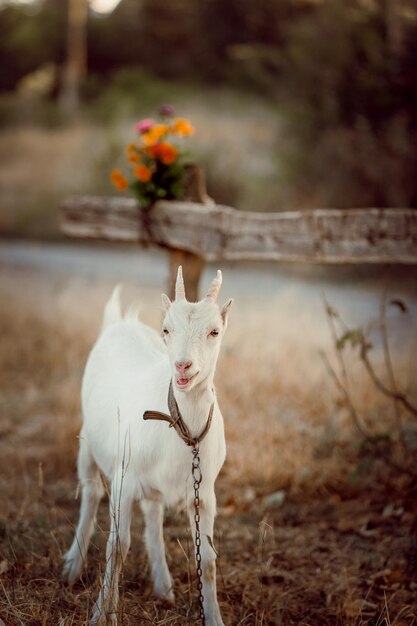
x,y
197,478
176,421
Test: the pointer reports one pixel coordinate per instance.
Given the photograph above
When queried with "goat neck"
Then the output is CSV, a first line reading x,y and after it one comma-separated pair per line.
x,y
195,405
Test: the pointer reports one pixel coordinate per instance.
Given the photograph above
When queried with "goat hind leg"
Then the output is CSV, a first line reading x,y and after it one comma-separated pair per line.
x,y
91,493
154,515
118,543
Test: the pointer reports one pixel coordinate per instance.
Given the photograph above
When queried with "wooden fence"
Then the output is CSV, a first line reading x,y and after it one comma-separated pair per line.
x,y
195,232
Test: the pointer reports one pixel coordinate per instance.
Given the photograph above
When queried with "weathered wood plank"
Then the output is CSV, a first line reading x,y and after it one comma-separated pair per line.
x,y
219,232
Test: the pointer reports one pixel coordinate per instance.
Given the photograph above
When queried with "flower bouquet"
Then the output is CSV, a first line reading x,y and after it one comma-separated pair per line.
x,y
156,159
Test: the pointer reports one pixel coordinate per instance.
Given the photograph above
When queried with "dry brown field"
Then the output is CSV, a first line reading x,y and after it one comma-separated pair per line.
x,y
338,546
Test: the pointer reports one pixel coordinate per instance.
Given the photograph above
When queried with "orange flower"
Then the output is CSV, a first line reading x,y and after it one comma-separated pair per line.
x,y
167,153
152,151
143,173
132,153
182,127
155,133
118,180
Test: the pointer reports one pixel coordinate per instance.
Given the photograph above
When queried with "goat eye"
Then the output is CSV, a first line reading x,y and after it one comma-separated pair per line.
x,y
165,331
214,333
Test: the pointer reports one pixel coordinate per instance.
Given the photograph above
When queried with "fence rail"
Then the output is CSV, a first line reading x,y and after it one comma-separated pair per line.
x,y
196,232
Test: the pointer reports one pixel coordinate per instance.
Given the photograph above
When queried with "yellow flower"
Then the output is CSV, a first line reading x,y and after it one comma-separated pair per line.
x,y
143,173
155,133
118,180
182,127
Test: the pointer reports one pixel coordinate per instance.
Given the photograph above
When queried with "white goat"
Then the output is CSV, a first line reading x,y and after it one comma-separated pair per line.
x,y
129,372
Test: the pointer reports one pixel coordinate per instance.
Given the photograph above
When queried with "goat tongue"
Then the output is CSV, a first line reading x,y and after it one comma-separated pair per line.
x,y
182,381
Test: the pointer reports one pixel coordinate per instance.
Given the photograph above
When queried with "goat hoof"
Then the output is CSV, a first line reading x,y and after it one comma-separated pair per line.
x,y
163,589
71,571
102,619
167,596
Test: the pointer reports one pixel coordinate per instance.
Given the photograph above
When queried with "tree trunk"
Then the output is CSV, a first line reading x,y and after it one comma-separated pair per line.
x,y
76,63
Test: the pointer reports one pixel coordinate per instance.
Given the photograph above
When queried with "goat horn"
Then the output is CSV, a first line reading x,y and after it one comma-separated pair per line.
x,y
214,288
179,285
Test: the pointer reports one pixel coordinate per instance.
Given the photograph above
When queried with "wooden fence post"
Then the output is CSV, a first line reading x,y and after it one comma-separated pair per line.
x,y
192,267
192,264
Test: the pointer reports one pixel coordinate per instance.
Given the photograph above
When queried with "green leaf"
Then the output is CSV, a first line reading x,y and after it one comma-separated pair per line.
x,y
353,337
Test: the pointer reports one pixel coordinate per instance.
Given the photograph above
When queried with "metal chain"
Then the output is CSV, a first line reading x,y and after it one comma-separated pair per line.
x,y
197,478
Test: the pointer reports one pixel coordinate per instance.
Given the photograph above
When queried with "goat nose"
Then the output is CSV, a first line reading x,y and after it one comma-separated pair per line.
x,y
182,366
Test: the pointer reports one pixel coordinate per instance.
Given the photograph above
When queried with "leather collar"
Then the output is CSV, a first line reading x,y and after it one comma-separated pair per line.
x,y
176,421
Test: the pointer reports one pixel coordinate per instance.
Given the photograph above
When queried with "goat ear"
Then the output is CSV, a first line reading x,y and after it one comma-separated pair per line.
x,y
224,311
166,302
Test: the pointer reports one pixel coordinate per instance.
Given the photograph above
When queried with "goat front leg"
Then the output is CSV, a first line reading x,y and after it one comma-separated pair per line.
x,y
208,556
118,543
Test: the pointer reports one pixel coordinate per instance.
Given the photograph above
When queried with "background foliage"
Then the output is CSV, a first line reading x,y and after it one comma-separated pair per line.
x,y
340,77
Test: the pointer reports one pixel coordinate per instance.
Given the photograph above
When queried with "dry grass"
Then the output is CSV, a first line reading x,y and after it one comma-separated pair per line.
x,y
38,167
339,550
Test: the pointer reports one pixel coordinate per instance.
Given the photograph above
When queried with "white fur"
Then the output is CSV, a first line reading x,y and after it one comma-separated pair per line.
x,y
127,373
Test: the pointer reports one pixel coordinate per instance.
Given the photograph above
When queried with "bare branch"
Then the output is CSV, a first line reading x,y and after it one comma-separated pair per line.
x,y
355,417
390,369
395,395
331,315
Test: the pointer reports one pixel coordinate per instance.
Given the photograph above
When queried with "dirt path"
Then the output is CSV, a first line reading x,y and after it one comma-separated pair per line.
x,y
356,290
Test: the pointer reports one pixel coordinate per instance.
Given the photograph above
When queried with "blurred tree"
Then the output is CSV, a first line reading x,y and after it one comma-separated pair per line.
x,y
343,74
167,35
29,39
240,29
114,40
76,61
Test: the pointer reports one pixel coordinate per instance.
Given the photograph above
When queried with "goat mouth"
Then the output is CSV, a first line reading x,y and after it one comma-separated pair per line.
x,y
182,383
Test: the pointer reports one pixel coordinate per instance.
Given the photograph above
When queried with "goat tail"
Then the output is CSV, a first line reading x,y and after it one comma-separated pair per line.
x,y
113,309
